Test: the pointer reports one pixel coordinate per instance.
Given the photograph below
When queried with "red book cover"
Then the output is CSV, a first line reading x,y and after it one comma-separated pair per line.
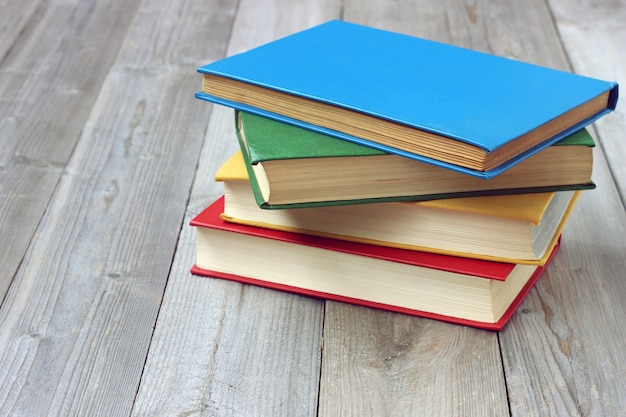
x,y
210,218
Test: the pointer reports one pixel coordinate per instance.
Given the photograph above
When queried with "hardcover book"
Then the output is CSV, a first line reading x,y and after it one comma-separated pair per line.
x,y
465,110
518,228
465,291
293,167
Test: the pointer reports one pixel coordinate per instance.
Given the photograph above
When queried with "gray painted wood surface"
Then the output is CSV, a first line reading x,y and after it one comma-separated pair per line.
x,y
105,156
54,59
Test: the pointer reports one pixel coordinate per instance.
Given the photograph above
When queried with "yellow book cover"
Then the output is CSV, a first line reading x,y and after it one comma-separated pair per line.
x,y
522,211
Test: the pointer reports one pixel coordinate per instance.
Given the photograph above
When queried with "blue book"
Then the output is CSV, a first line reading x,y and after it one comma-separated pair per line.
x,y
453,107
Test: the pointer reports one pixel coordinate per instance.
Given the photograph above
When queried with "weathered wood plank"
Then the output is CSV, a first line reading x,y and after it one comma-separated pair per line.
x,y
594,36
222,348
77,322
492,26
48,84
15,17
385,364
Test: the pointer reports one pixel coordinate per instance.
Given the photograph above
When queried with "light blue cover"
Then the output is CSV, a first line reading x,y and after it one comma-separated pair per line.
x,y
477,98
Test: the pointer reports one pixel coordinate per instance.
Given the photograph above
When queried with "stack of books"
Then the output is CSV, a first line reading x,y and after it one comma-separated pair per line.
x,y
397,173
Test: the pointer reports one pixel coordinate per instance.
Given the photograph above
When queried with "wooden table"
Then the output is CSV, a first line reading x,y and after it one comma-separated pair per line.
x,y
105,155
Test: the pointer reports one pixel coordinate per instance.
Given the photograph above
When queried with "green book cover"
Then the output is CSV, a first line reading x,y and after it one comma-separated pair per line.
x,y
269,140
262,140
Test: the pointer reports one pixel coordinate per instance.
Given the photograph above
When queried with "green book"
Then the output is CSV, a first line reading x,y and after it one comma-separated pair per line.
x,y
290,166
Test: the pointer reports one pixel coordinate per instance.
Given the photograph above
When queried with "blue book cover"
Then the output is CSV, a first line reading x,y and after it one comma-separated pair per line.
x,y
470,111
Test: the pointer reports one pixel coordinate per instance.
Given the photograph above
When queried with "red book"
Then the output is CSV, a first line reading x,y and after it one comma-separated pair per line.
x,y
459,290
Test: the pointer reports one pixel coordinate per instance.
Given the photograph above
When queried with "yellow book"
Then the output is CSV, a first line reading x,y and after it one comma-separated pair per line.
x,y
517,228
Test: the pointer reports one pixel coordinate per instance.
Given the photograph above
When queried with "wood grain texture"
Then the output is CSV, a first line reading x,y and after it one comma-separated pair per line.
x,y
77,322
49,79
222,348
15,19
384,364
594,36
492,26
